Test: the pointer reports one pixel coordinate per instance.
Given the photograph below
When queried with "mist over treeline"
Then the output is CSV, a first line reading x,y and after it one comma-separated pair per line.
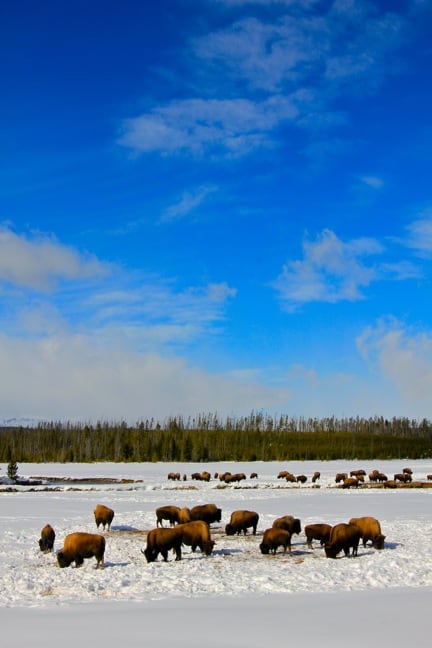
x,y
208,437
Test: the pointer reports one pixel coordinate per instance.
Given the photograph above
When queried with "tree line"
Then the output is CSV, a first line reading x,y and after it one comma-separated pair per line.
x,y
207,437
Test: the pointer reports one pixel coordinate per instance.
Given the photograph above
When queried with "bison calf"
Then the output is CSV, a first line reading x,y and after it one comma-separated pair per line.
x,y
78,546
241,521
103,515
46,542
274,538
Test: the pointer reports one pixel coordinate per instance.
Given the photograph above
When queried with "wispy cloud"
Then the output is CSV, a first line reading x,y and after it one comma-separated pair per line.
x,y
41,262
420,234
287,68
189,201
332,270
403,357
372,181
231,127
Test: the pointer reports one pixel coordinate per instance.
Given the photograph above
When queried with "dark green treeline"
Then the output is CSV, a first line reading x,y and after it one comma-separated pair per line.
x,y
257,437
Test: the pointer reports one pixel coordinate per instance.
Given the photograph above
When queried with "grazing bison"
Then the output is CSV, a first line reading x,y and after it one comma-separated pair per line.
x,y
407,471
382,477
342,537
103,515
46,542
340,477
370,529
253,475
174,476
301,478
291,478
241,521
319,532
350,482
289,523
78,546
274,538
161,540
429,477
197,534
184,515
316,476
170,513
207,512
390,483
282,474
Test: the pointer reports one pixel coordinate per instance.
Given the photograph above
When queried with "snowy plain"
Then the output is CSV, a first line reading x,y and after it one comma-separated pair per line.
x,y
236,596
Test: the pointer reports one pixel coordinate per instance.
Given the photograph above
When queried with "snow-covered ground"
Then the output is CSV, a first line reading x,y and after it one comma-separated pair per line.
x,y
236,596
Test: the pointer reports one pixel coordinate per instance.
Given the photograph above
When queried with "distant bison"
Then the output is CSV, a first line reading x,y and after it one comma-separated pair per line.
x,y
342,538
103,515
78,546
316,476
301,478
350,482
274,538
174,476
289,523
242,521
370,529
253,475
197,534
207,512
340,477
162,540
169,513
46,542
319,532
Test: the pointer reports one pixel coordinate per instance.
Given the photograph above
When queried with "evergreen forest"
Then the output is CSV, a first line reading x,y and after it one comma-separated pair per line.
x,y
207,437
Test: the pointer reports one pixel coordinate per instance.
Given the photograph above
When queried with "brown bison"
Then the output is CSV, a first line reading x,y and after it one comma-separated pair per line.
x,y
370,529
342,537
291,478
78,546
288,523
197,534
340,477
103,515
184,515
253,475
319,532
161,540
170,513
207,512
301,478
402,477
316,476
46,542
429,477
350,482
373,476
390,483
174,476
241,521
282,474
274,538
407,471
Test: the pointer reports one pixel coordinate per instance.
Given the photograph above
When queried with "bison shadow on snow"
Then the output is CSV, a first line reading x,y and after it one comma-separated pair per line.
x,y
124,527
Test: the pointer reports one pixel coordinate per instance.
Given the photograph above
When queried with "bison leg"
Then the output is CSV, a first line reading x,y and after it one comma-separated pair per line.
x,y
79,561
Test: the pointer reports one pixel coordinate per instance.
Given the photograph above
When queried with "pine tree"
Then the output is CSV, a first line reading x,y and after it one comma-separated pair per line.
x,y
12,470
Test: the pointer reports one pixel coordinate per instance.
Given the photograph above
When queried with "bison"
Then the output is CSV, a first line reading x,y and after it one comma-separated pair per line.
x,y
78,546
103,515
274,538
340,477
161,540
342,537
301,478
253,475
370,529
319,532
170,513
207,512
288,523
350,482
241,521
316,476
46,542
174,476
197,534
184,515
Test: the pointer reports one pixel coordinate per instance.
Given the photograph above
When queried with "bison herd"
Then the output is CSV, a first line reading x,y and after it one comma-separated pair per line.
x,y
191,527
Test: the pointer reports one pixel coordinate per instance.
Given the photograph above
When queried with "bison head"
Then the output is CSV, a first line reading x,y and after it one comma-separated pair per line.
x,y
63,561
265,549
378,541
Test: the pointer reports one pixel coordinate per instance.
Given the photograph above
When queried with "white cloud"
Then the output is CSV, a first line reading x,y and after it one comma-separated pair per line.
x,y
420,234
372,181
42,262
78,378
330,271
402,357
231,127
189,201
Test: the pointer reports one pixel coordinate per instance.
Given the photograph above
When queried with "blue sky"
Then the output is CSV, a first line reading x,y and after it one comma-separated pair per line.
x,y
215,206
